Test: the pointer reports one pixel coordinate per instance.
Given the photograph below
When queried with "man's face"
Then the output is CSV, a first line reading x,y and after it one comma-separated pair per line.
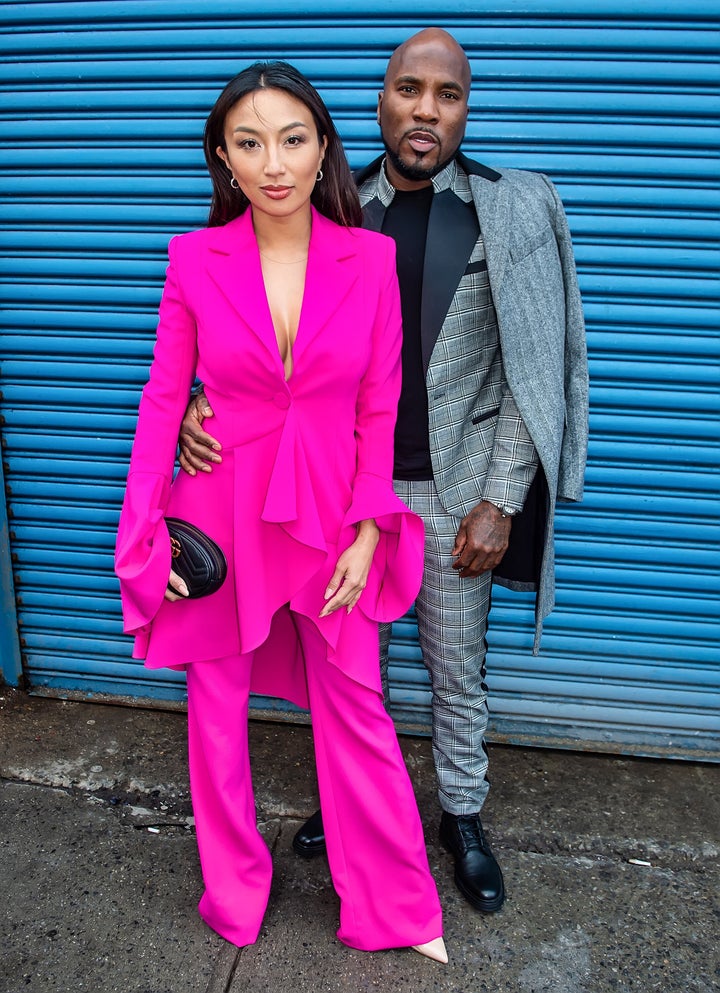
x,y
422,112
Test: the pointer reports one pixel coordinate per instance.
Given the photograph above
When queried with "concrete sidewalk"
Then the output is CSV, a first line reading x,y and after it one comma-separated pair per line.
x,y
612,869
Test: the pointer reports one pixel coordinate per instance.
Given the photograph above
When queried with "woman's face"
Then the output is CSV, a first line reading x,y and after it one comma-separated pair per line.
x,y
273,151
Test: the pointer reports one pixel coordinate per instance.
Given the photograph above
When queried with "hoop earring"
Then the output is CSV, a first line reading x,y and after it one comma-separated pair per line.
x,y
319,176
234,183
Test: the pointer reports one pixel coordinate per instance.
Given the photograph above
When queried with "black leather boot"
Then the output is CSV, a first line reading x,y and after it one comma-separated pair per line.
x,y
309,840
477,874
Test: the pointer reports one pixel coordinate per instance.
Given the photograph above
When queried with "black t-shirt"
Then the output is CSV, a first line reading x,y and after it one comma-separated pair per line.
x,y
406,220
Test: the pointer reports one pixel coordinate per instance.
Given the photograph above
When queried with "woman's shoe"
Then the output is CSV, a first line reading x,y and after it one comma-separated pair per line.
x,y
434,949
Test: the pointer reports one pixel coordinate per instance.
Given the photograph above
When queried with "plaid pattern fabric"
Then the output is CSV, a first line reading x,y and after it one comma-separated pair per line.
x,y
479,445
452,177
480,450
452,623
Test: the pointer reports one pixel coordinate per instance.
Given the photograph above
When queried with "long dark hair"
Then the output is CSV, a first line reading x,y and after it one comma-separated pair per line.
x,y
335,195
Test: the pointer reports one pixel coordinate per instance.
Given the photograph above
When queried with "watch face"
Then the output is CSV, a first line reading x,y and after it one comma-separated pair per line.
x,y
505,511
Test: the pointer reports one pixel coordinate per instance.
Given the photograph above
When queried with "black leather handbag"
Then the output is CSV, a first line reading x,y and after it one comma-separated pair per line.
x,y
196,558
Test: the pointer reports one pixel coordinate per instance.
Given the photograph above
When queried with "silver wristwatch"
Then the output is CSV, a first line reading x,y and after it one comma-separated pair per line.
x,y
504,511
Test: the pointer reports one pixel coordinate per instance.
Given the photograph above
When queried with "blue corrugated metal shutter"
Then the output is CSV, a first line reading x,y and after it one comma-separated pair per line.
x,y
103,107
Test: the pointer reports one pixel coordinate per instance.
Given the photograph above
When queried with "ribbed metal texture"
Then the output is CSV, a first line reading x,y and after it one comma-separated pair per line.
x,y
102,111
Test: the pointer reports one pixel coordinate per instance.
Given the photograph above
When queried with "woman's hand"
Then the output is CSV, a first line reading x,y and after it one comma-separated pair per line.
x,y
177,584
352,570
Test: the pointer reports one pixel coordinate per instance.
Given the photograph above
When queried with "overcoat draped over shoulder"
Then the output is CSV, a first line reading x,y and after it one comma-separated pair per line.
x,y
303,459
533,284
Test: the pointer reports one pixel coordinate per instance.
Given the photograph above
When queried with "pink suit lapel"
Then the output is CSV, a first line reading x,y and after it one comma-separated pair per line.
x,y
234,266
331,272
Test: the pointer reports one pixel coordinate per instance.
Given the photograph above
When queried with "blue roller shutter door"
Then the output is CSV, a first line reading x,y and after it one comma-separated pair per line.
x,y
103,108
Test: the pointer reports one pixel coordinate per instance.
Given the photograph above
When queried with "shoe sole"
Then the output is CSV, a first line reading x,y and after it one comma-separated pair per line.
x,y
309,851
485,906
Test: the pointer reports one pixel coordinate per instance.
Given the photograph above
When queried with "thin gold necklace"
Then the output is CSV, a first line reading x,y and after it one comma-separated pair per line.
x,y
283,261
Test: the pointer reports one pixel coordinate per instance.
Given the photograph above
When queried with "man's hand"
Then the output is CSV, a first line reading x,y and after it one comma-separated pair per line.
x,y
197,448
481,541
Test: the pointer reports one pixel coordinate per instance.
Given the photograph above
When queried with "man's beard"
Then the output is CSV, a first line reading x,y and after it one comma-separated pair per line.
x,y
415,173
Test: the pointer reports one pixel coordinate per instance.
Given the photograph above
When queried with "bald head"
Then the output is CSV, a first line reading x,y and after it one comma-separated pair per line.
x,y
434,45
422,111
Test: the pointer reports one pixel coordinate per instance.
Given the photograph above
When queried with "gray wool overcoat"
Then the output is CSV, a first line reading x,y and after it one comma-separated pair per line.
x,y
533,282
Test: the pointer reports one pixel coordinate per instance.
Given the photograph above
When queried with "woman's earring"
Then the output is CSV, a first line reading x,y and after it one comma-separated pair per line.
x,y
319,176
234,183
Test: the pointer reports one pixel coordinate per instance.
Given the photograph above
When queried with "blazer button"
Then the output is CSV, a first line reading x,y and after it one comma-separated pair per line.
x,y
281,400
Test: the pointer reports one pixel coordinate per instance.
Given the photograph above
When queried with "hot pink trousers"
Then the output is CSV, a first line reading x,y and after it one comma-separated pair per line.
x,y
376,849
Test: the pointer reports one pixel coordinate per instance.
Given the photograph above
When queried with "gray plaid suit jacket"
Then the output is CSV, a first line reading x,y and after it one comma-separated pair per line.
x,y
526,245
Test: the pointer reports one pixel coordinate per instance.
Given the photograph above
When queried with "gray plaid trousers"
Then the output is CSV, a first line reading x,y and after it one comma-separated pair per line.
x,y
452,623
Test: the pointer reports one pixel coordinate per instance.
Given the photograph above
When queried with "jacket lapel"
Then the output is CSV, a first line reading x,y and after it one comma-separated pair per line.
x,y
453,231
451,236
234,266
331,272
374,209
373,214
492,203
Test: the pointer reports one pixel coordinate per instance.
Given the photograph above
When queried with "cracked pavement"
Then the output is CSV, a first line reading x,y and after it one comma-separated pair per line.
x,y
612,867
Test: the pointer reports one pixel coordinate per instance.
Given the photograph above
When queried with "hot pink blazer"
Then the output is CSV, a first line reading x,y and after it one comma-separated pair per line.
x,y
303,460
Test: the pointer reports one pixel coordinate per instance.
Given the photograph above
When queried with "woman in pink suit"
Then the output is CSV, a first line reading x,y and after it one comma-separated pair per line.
x,y
289,313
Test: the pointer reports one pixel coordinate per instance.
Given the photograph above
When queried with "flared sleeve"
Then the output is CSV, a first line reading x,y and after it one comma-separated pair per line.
x,y
142,551
396,571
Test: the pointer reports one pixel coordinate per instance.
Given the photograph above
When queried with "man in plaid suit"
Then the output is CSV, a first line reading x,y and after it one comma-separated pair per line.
x,y
492,421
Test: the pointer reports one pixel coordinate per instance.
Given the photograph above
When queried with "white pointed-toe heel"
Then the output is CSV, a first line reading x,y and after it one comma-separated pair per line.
x,y
434,949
